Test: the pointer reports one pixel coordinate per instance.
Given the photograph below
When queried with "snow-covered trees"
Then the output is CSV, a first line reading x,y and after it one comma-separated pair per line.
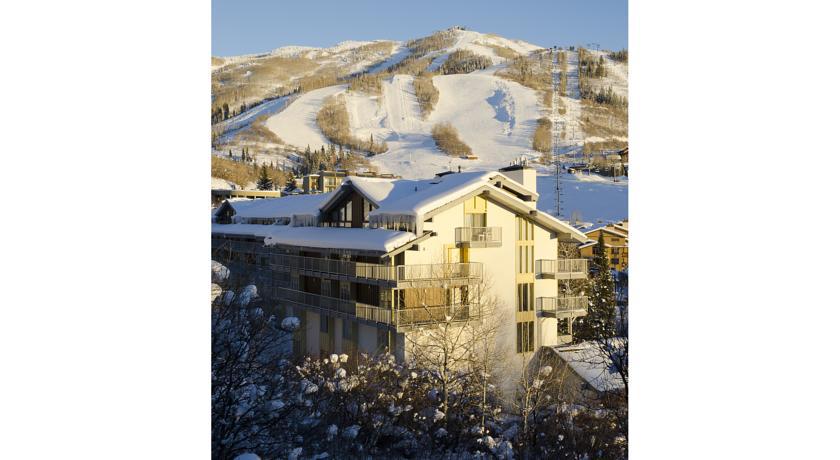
x,y
248,384
464,61
599,323
442,403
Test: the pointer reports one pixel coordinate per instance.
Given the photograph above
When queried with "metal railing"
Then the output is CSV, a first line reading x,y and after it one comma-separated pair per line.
x,y
404,317
471,270
562,267
374,314
436,314
479,236
554,305
420,272
348,307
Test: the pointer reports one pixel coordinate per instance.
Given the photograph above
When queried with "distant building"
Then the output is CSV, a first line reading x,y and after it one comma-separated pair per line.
x,y
217,196
327,181
616,243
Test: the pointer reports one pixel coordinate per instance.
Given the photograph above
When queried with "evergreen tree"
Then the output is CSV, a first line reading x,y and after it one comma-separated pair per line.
x,y
600,322
264,182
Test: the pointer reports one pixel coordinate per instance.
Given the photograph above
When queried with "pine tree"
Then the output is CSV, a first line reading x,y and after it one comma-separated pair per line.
x,y
264,182
600,322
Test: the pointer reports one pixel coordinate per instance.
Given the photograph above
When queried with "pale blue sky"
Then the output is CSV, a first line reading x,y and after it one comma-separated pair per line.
x,y
253,26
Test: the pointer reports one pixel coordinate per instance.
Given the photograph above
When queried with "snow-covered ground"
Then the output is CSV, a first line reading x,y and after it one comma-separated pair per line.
x,y
596,201
475,42
296,124
221,184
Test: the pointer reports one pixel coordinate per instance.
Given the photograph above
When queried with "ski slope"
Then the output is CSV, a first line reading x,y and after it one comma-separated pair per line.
x,y
495,117
296,124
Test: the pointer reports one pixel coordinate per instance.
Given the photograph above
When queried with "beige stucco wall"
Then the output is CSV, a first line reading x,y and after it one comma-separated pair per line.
x,y
499,268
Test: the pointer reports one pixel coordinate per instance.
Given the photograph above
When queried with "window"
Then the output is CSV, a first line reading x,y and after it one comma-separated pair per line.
x,y
476,220
525,337
614,261
381,339
525,259
525,296
524,229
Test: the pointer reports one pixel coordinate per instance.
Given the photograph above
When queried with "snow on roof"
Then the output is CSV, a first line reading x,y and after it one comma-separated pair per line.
x,y
609,228
280,207
368,239
416,197
591,363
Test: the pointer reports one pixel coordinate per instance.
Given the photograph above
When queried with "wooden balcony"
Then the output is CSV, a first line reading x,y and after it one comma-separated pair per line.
x,y
563,269
478,237
563,307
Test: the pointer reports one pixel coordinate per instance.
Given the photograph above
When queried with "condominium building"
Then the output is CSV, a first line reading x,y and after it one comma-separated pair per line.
x,y
616,244
370,265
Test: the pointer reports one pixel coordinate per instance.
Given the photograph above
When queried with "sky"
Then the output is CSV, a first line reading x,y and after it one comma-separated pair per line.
x,y
255,26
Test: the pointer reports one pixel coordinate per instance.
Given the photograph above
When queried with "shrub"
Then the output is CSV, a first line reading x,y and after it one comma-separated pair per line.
x,y
620,56
542,136
446,139
427,94
367,83
335,124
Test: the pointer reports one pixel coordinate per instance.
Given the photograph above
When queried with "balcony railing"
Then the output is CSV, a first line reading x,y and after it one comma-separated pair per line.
x,y
563,306
479,237
420,272
374,314
563,268
436,314
348,307
423,272
405,317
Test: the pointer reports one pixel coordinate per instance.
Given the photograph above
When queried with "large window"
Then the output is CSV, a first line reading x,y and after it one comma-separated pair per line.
x,y
525,337
525,259
524,229
525,296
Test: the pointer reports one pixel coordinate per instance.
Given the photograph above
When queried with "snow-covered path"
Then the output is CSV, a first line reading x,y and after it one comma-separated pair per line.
x,y
231,126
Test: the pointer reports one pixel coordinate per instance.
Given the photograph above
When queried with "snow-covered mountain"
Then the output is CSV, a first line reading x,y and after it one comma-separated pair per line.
x,y
494,113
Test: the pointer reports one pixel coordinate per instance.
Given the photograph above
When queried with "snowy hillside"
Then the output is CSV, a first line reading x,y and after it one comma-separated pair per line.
x,y
493,115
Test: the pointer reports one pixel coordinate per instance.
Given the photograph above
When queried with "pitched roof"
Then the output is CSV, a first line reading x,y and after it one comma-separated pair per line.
x,y
593,364
279,207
